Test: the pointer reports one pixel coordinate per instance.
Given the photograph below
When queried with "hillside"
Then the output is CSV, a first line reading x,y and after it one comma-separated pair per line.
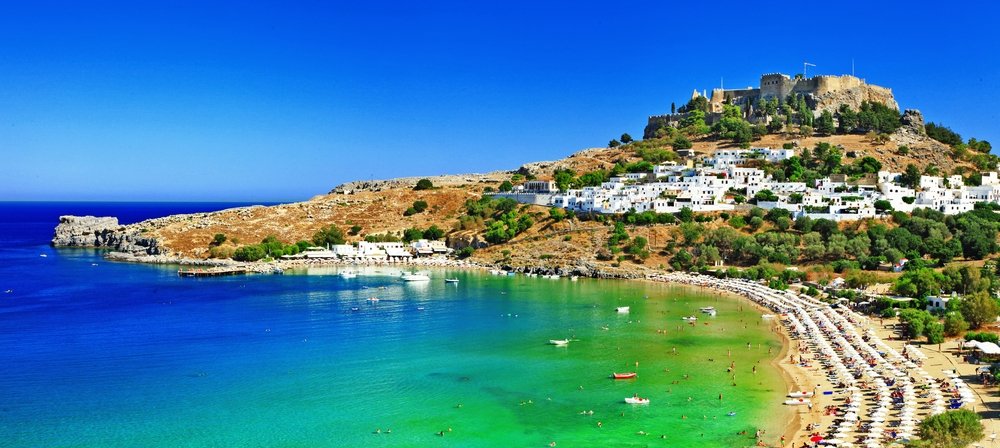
x,y
378,206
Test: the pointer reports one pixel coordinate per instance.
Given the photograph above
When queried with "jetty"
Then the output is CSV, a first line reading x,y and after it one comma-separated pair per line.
x,y
211,272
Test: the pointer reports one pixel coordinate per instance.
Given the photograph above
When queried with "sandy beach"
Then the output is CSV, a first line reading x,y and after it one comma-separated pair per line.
x,y
858,410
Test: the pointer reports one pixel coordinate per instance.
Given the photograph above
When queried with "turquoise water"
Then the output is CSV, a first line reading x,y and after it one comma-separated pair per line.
x,y
128,355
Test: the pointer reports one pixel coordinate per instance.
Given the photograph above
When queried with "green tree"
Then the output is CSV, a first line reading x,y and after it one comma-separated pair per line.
x,y
218,239
883,206
433,233
424,184
910,177
934,333
824,124
626,138
954,324
614,143
978,309
681,142
951,429
557,214
943,134
355,229
329,235
420,206
412,234
506,186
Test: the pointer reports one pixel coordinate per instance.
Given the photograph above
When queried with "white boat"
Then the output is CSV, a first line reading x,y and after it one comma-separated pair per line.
x,y
451,280
767,316
797,402
348,274
636,400
707,309
574,278
690,318
409,277
711,313
559,342
622,309
372,299
800,394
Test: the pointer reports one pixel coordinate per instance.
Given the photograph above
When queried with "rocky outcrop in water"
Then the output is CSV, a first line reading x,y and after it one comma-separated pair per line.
x,y
103,233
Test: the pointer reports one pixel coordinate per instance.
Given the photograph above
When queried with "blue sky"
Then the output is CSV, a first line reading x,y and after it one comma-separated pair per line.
x,y
269,102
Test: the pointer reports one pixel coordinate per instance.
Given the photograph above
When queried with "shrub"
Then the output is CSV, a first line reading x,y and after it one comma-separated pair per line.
x,y
956,429
424,184
465,252
218,239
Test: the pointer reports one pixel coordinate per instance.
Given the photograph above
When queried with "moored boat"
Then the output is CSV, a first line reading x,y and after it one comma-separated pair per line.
x,y
451,280
800,394
690,318
623,376
636,400
622,309
559,341
707,309
411,277
797,402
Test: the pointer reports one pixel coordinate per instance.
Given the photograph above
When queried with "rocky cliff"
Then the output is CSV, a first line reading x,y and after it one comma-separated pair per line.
x,y
853,97
104,233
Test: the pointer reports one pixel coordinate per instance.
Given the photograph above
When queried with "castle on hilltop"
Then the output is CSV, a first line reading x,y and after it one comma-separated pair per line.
x,y
815,89
822,92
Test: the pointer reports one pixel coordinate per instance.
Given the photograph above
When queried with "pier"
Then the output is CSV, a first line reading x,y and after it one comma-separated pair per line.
x,y
211,272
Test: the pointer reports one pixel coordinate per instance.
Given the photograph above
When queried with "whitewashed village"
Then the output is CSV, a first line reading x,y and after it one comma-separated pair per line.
x,y
720,182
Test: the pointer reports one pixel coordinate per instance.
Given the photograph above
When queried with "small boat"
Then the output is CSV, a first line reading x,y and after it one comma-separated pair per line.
x,y
623,376
797,402
559,342
767,316
636,400
372,299
43,255
451,280
707,309
622,309
348,274
574,278
731,413
711,313
511,274
690,318
800,394
409,277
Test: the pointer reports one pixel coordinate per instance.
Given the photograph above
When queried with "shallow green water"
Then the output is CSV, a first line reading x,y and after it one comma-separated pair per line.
x,y
143,358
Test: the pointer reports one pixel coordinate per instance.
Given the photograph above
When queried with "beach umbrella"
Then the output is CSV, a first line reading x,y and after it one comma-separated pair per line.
x,y
815,439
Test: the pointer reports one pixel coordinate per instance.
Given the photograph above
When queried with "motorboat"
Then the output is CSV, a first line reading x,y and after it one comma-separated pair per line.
x,y
451,280
559,342
707,309
411,277
636,400
372,299
574,278
797,401
800,394
348,274
623,376
767,316
690,318
622,309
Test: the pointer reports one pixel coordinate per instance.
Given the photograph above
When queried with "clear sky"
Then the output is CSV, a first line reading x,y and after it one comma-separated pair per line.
x,y
249,101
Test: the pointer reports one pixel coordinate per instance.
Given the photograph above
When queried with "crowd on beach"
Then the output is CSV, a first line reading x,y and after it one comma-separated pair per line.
x,y
877,394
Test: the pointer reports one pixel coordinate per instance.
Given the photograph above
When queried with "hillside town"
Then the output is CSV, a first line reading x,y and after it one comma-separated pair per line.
x,y
722,182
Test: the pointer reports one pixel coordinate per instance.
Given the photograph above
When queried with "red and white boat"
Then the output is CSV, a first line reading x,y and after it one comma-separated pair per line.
x,y
800,394
636,400
623,376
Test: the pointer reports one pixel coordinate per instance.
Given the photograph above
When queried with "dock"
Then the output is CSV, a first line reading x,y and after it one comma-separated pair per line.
x,y
211,272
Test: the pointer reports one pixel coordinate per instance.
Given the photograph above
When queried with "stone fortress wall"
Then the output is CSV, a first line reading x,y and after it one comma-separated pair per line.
x,y
823,92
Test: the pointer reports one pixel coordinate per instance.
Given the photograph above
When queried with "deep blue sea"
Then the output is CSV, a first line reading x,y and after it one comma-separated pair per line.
x,y
102,354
